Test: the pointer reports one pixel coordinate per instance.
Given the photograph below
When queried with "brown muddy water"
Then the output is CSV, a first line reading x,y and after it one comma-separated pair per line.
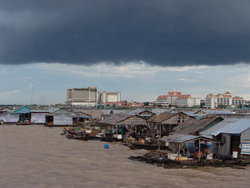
x,y
37,156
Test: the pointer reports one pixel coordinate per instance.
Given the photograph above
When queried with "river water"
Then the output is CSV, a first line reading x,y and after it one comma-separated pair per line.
x,y
37,156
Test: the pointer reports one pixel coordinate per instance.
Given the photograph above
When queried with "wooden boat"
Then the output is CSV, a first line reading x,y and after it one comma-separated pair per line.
x,y
77,137
110,139
147,146
24,123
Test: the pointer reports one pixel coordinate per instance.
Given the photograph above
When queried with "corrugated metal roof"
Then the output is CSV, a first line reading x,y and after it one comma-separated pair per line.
x,y
107,112
114,119
183,139
23,110
219,125
180,138
85,117
39,111
194,126
162,117
45,110
193,114
137,111
62,112
160,111
94,113
190,113
218,112
234,128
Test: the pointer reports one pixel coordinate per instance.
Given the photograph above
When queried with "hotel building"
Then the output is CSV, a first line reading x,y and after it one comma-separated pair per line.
x,y
178,99
226,99
108,97
82,96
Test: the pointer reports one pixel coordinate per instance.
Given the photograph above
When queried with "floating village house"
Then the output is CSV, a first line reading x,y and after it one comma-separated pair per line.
x,y
233,133
24,114
164,123
134,121
110,124
8,117
176,142
189,131
195,126
116,121
39,116
127,120
61,118
207,132
88,114
83,119
146,114
235,137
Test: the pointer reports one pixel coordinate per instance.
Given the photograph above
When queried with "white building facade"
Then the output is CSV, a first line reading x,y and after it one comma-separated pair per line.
x,y
82,96
106,97
178,99
237,101
226,99
188,102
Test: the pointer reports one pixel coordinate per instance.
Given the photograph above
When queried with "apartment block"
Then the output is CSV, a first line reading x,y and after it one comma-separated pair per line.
x,y
108,97
178,99
226,99
82,96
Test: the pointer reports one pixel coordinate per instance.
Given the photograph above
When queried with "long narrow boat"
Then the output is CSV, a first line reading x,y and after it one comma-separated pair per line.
x,y
147,146
111,139
77,137
24,123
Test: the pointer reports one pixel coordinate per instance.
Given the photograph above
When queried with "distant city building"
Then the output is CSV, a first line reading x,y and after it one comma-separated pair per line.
x,y
82,96
226,99
108,97
188,101
178,99
236,101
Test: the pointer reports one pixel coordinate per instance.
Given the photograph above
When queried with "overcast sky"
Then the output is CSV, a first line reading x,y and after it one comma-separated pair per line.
x,y
143,48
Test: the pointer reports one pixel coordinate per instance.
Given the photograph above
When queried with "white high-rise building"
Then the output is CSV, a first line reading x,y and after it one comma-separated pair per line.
x,y
178,99
236,101
188,102
106,97
226,99
82,96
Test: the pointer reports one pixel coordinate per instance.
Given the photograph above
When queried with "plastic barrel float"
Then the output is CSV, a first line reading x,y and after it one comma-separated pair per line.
x,y
106,146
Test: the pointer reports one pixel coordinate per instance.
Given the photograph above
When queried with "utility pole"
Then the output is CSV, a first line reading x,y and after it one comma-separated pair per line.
x,y
32,94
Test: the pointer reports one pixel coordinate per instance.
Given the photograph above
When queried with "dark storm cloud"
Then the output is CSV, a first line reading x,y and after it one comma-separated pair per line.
x,y
160,32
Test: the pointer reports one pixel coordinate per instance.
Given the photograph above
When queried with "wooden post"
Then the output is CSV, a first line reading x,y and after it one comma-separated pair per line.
x,y
199,150
179,151
219,151
117,130
160,131
159,145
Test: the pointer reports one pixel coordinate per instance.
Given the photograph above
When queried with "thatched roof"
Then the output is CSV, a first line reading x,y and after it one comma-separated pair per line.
x,y
94,113
134,120
63,112
114,119
123,119
194,126
162,117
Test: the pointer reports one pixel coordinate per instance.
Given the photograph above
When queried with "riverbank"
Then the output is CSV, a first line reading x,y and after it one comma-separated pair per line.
x,y
37,156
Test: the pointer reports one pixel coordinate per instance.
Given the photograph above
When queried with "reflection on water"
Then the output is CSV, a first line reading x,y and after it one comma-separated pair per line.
x,y
37,156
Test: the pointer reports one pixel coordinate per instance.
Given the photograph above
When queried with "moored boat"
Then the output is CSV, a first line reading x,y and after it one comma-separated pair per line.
x,y
147,146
